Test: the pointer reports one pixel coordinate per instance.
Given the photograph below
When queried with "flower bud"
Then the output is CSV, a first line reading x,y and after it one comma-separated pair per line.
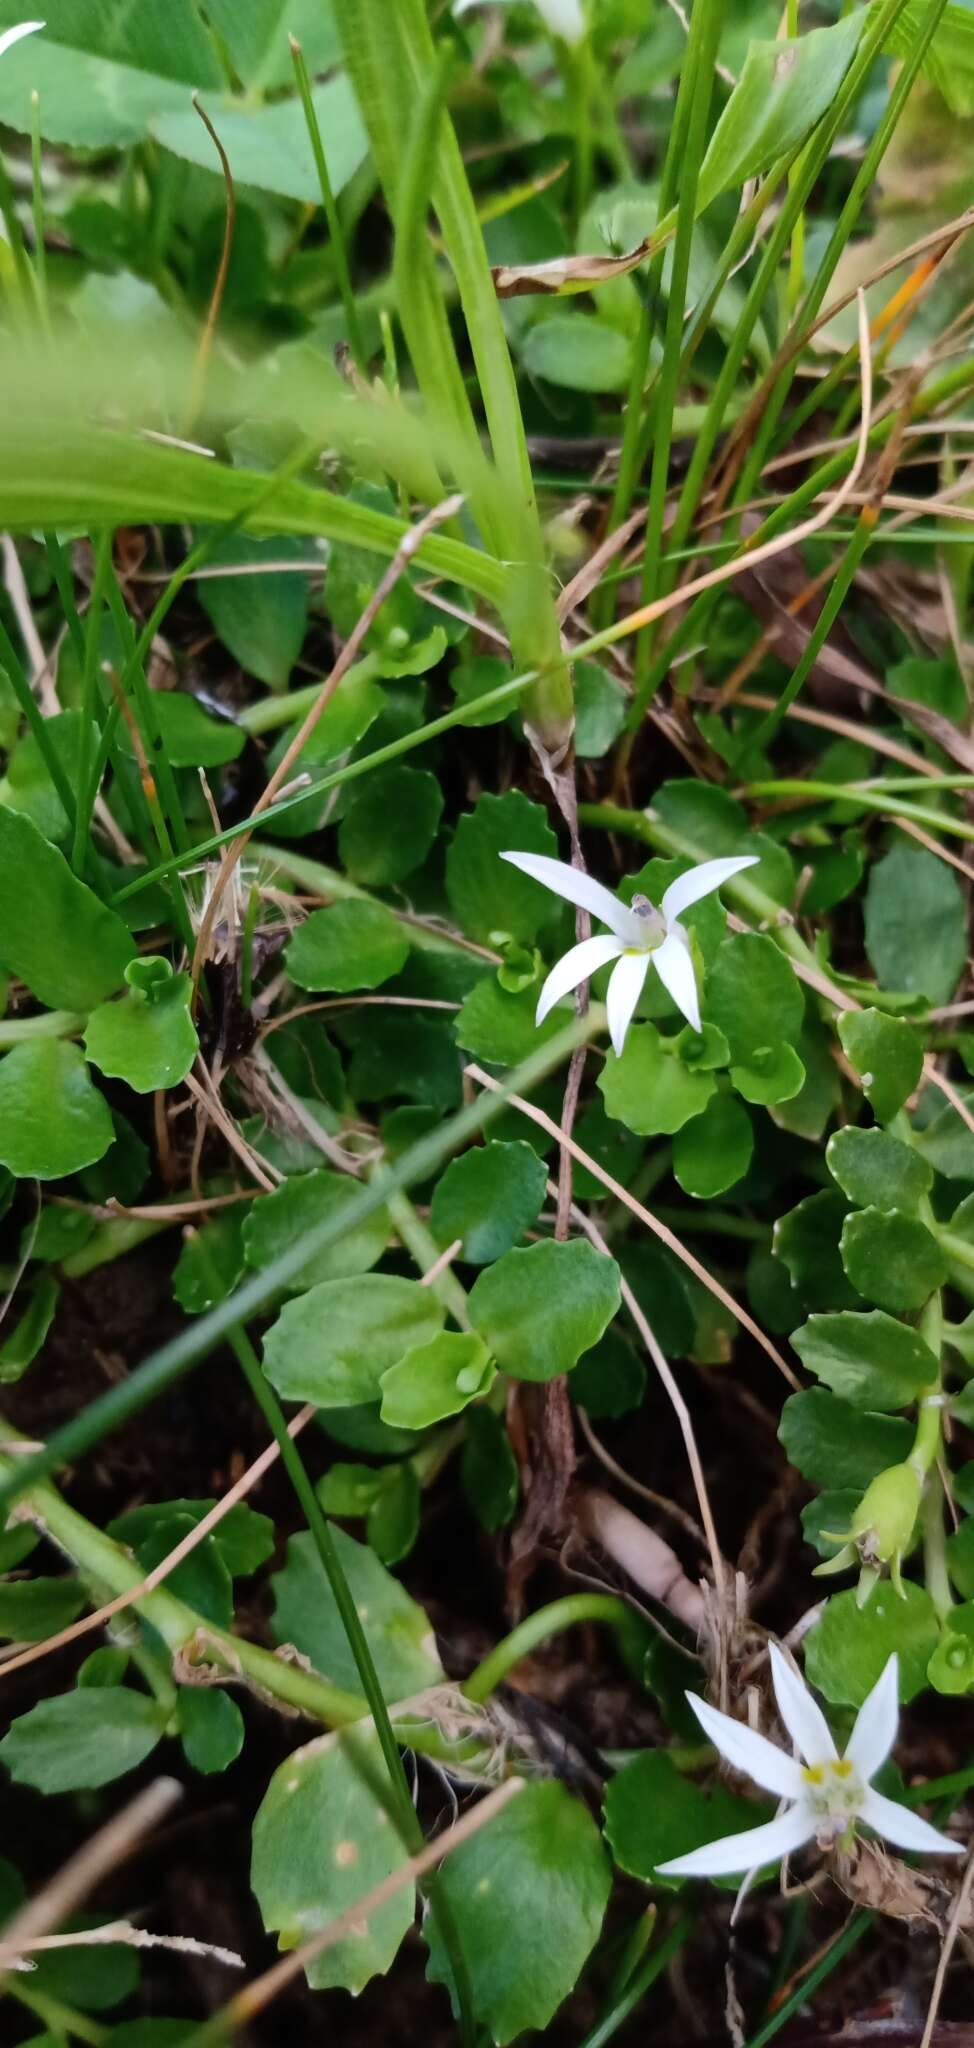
x,y
882,1526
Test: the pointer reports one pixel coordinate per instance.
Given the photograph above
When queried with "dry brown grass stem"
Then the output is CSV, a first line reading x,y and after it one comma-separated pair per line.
x,y
96,1859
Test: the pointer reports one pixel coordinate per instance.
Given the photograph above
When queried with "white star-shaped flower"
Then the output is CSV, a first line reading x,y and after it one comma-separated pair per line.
x,y
10,36
641,936
826,1793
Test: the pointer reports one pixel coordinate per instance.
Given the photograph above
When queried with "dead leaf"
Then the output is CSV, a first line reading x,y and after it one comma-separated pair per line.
x,y
564,274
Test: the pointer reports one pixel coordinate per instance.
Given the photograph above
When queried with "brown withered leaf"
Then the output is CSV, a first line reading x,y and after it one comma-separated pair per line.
x,y
563,274
941,730
872,1878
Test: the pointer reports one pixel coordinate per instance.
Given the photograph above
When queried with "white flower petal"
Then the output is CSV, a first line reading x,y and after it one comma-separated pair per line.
x,y
768,1844
10,36
805,1722
674,966
904,1829
625,989
573,967
701,881
576,888
748,1752
874,1733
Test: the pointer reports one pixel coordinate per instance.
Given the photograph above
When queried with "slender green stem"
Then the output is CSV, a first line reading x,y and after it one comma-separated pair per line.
x,y
37,205
640,1982
265,714
422,1245
169,1364
537,1628
10,660
332,216
707,23
867,800
55,2016
47,1024
15,239
87,788
61,572
805,1991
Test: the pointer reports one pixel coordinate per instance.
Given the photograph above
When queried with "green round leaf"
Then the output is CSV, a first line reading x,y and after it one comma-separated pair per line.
x,y
435,1380
712,1151
82,1739
610,1380
31,1609
349,945
649,1089
877,1171
332,1345
807,1242
389,824
754,997
486,894
499,1027
960,1557
951,1668
191,736
53,1121
869,1359
773,1074
148,1043
392,1522
916,924
892,1259
702,812
600,710
274,1222
527,1897
488,1197
210,1263
848,1649
54,932
262,619
836,1445
539,1309
579,351
654,1812
888,1055
211,1728
400,1638
323,1837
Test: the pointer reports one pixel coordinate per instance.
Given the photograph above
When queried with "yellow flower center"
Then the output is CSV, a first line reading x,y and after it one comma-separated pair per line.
x,y
834,1791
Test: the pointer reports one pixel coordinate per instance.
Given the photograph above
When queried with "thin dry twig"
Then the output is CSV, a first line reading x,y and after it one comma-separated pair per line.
x,y
667,1237
205,348
160,1572
115,1933
958,1914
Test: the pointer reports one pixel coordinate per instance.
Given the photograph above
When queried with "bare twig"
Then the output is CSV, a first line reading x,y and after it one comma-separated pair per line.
x,y
98,1858
958,1914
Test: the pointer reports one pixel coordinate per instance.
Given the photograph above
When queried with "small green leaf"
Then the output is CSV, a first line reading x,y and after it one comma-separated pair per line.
x,y
268,145
887,1054
392,1522
773,1074
31,1609
754,998
211,1262
389,824
847,1650
951,1668
488,1469
499,1027
947,1143
124,1169
834,1444
261,618
916,924
274,1222
150,1043
783,90
350,945
244,1539
703,812
21,1346
892,1259
486,894
538,1867
400,1638
211,1728
52,1119
577,350
332,1345
600,710
868,1359
539,1309
191,736
650,1090
323,1838
54,932
829,1512
435,1380
654,1812
488,1197
807,1242
610,1380
78,1740
960,1557
877,1171
202,1579
713,1151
